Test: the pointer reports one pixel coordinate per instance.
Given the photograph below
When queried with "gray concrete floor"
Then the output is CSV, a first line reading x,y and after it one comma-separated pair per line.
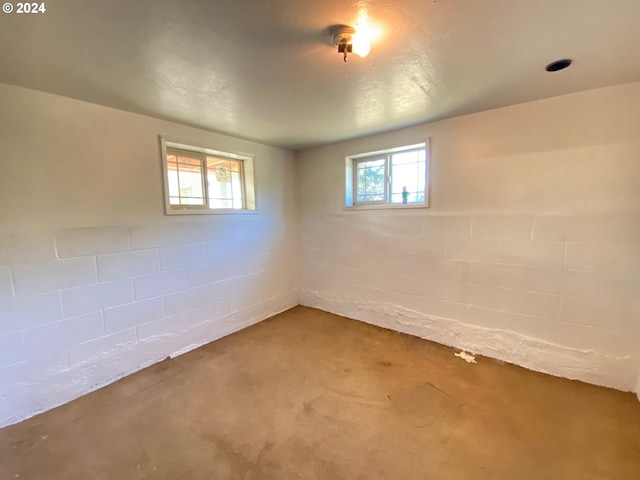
x,y
310,395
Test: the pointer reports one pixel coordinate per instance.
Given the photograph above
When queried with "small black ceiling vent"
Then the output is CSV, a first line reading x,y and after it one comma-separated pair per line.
x,y
558,65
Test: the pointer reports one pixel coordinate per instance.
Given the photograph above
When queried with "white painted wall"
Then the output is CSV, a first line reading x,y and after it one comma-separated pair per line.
x,y
530,251
95,281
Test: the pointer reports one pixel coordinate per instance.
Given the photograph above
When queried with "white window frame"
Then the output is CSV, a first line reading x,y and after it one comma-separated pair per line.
x,y
351,163
200,152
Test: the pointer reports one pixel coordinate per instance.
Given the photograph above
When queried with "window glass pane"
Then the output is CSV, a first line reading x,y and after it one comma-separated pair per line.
x,y
172,177
191,201
396,198
411,156
408,177
190,163
184,176
190,185
174,188
370,180
224,178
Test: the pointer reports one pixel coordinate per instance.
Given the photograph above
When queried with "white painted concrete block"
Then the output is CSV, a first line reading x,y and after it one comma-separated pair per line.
x,y
209,313
154,236
268,262
476,249
315,237
420,246
352,236
199,232
26,247
444,289
584,284
602,257
442,268
103,347
481,295
91,298
498,275
251,247
586,228
162,283
186,300
528,303
24,312
114,266
57,336
408,284
388,262
256,227
215,229
623,229
11,349
531,330
447,226
257,280
359,259
19,376
78,242
311,270
247,265
364,277
209,273
133,314
34,278
364,242
505,227
182,256
429,306
601,313
6,282
500,319
547,280
164,327
620,287
538,254
402,225
222,250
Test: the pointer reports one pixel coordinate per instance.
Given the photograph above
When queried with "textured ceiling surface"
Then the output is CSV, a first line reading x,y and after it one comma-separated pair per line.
x,y
266,69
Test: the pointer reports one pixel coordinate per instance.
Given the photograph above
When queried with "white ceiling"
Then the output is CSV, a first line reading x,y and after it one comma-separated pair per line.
x,y
266,70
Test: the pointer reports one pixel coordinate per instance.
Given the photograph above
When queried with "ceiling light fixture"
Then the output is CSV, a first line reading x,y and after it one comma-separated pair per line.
x,y
348,40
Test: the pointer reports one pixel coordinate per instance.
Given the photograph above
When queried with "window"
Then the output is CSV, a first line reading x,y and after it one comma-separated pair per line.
x,y
201,180
396,177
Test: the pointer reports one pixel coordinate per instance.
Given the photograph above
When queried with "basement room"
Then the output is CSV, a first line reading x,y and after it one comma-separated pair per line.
x,y
285,240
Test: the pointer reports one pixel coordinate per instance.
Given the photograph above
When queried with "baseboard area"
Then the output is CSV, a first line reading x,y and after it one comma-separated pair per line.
x,y
598,368
57,383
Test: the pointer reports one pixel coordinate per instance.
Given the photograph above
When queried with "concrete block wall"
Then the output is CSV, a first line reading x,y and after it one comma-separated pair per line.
x,y
91,290
451,267
529,252
103,297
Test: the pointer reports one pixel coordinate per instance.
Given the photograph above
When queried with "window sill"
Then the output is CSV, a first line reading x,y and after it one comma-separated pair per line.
x,y
212,212
357,208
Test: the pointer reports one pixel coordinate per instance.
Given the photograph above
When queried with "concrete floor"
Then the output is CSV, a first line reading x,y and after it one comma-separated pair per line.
x,y
310,395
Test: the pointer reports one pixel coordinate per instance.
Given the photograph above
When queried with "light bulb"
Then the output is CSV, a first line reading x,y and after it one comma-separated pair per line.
x,y
361,46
